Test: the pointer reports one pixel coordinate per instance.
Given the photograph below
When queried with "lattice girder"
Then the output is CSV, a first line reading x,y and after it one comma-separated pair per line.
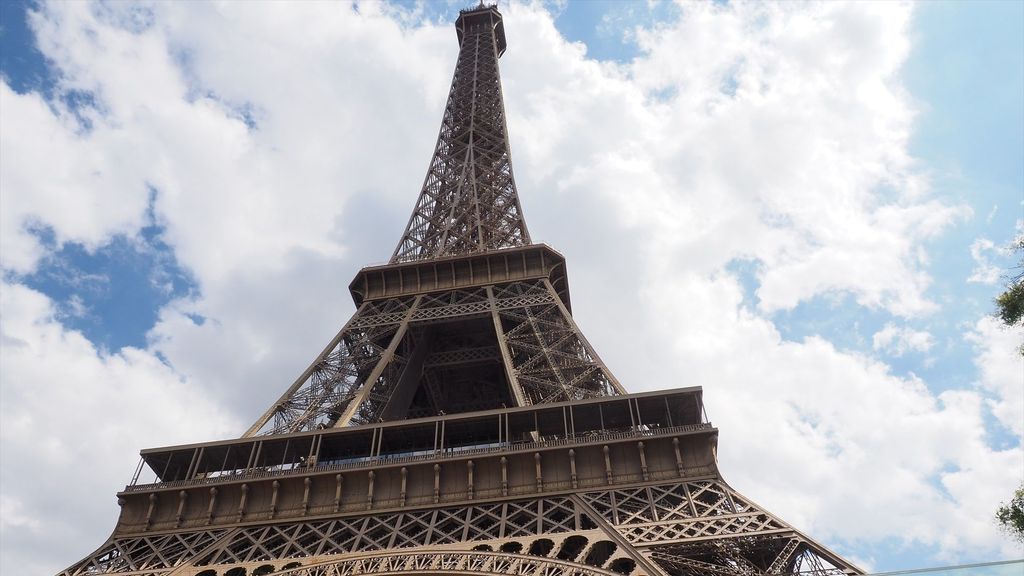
x,y
469,202
545,356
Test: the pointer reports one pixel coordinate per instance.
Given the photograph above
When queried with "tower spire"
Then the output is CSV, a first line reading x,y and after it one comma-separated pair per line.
x,y
468,202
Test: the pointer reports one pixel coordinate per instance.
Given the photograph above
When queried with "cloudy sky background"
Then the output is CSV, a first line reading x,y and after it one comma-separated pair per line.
x,y
803,208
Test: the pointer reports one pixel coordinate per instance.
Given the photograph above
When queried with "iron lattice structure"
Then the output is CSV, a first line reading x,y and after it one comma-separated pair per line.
x,y
469,201
459,422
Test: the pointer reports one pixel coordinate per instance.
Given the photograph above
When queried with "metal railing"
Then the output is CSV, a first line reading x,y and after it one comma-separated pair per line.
x,y
455,453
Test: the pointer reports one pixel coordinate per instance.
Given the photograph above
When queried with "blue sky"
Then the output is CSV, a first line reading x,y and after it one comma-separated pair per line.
x,y
132,266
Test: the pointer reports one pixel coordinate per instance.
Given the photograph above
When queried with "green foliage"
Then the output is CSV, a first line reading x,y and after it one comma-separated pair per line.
x,y
1010,304
1010,515
1010,309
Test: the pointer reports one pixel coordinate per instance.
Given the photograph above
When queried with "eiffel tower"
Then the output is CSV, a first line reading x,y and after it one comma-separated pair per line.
x,y
459,422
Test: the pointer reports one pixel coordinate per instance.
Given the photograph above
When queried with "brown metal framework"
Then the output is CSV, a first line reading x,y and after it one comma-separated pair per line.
x,y
482,347
469,202
459,422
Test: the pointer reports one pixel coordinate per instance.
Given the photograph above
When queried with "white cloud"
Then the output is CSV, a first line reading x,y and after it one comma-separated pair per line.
x,y
898,341
1001,369
648,175
984,271
94,192
76,307
992,213
73,421
803,168
15,516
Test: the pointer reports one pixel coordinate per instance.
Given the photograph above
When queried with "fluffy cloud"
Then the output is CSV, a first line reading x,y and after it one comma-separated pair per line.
x,y
74,419
779,136
984,271
285,146
898,341
1001,370
110,196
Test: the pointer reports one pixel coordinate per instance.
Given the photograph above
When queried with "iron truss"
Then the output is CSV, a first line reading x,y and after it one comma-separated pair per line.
x,y
684,528
537,346
468,202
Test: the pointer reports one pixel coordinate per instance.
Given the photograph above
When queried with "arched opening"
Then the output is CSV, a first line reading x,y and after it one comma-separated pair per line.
x,y
239,571
483,548
572,547
622,566
541,547
599,553
263,570
512,547
207,573
291,565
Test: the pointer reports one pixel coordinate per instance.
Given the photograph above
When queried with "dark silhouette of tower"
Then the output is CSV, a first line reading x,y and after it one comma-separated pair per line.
x,y
459,422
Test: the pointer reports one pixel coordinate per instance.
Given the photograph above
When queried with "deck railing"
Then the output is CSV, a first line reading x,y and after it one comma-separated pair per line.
x,y
455,453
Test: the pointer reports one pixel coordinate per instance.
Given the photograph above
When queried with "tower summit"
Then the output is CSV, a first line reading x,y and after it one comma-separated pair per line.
x,y
469,202
458,422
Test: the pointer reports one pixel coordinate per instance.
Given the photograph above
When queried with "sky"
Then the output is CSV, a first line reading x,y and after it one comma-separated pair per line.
x,y
804,208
